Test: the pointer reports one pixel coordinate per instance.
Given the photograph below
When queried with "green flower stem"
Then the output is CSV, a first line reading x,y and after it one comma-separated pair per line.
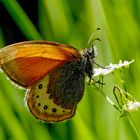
x,y
133,126
119,109
108,99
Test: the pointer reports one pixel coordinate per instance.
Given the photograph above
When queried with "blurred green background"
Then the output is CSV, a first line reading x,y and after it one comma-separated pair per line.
x,y
72,22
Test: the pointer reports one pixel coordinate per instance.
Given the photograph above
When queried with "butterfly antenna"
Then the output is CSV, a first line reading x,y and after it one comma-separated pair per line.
x,y
91,37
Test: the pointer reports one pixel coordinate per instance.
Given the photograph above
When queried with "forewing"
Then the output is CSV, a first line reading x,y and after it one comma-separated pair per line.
x,y
27,62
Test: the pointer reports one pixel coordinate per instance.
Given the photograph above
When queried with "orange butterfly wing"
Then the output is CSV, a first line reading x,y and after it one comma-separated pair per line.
x,y
27,62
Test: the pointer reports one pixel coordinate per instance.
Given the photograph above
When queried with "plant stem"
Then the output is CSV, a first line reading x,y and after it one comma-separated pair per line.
x,y
133,126
108,99
119,109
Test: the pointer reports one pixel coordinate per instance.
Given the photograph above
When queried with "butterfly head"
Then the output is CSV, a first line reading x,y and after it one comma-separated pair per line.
x,y
90,53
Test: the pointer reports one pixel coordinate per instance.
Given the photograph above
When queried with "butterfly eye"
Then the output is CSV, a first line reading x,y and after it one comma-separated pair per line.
x,y
89,53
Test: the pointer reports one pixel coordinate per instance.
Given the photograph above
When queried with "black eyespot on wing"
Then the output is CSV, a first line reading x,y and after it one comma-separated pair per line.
x,y
45,107
54,110
40,86
37,96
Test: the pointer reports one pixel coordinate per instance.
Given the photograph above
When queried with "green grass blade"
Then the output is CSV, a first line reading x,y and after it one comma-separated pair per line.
x,y
21,19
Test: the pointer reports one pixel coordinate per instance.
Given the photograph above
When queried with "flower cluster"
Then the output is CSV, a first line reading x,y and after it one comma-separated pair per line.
x,y
126,102
111,67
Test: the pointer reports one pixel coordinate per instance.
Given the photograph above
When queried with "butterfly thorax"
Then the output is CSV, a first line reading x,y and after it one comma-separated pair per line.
x,y
88,60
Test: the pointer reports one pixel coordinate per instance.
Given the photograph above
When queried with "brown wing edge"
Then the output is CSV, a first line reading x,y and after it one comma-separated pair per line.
x,y
41,42
37,42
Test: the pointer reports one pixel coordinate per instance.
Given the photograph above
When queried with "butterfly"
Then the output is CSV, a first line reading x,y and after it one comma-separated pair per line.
x,y
53,74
